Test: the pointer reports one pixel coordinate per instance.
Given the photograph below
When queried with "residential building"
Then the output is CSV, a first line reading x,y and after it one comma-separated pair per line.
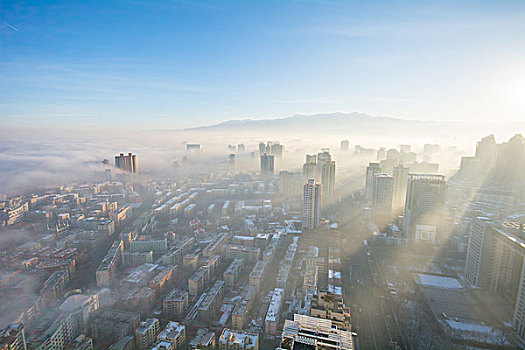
x,y
236,340
312,201
425,207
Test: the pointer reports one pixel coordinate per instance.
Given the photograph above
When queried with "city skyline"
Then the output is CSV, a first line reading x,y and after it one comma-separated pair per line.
x,y
289,175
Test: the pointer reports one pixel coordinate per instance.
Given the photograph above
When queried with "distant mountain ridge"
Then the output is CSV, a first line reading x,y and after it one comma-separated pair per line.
x,y
361,126
331,122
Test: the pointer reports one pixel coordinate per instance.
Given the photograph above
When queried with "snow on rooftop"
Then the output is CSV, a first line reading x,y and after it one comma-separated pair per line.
x,y
434,281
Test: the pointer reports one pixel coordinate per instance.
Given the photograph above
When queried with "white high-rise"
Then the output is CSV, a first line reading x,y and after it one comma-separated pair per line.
x,y
371,170
312,201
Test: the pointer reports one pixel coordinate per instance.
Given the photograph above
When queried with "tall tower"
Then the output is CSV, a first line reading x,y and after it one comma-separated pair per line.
x,y
382,199
231,161
310,167
400,174
476,262
267,166
371,170
485,152
326,172
312,201
277,150
127,162
425,207
345,146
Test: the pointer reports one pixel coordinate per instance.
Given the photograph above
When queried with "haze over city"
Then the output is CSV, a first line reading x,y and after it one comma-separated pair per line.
x,y
325,175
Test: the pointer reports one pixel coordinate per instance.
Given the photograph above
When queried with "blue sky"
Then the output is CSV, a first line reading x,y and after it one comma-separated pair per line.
x,y
187,63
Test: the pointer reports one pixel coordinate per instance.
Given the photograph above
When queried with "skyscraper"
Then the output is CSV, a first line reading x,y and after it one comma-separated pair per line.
x,y
12,337
345,145
127,162
371,170
326,172
312,201
400,174
425,207
231,161
262,148
267,166
277,150
289,183
310,167
495,260
382,199
485,152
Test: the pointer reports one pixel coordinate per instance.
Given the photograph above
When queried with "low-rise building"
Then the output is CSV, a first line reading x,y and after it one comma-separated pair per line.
x,y
272,316
258,274
147,333
175,333
175,304
236,340
233,272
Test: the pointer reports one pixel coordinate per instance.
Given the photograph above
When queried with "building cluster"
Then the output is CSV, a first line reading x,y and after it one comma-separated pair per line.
x,y
205,261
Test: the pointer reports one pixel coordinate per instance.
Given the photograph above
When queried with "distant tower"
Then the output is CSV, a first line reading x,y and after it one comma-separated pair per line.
x,y
289,183
485,152
345,145
127,162
231,161
310,167
371,170
425,207
312,201
267,166
262,148
277,150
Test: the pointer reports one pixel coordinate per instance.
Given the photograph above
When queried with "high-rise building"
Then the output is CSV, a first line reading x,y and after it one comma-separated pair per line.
x,y
345,145
404,148
267,166
310,167
382,199
371,170
277,150
400,174
290,183
241,148
127,162
326,172
13,337
495,260
193,148
485,152
425,207
312,201
262,148
231,161
381,153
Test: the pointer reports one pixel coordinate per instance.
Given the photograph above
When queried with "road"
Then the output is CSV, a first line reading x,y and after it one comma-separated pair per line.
x,y
363,292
